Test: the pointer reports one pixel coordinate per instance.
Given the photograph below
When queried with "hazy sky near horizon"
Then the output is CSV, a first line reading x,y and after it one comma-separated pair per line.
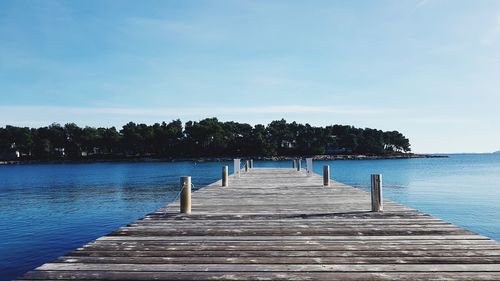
x,y
427,68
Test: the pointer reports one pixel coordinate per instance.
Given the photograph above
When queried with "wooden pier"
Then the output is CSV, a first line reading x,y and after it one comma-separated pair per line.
x,y
279,224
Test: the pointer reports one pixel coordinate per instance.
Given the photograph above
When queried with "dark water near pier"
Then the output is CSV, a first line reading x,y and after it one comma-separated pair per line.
x,y
50,209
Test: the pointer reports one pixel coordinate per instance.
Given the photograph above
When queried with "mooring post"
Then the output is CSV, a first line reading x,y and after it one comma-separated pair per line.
x,y
225,179
251,163
299,164
294,163
326,175
237,167
186,195
377,203
309,167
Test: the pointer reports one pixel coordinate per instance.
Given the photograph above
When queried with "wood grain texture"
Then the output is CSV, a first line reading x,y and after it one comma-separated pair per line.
x,y
279,224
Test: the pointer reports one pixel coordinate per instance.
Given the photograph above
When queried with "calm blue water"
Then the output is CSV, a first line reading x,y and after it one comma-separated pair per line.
x,y
48,210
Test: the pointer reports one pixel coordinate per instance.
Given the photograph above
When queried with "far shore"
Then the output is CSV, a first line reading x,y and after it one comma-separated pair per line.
x,y
220,159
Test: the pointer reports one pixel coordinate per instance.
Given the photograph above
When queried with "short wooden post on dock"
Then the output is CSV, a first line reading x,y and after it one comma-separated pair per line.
x,y
186,195
237,167
326,175
299,164
225,177
309,167
377,204
247,165
251,163
294,163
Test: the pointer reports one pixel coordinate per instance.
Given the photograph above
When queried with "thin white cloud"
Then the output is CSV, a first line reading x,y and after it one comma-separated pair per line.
x,y
164,28
209,110
497,26
37,115
421,4
492,34
440,120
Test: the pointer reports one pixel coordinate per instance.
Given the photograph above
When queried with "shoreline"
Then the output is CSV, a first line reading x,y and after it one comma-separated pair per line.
x,y
219,159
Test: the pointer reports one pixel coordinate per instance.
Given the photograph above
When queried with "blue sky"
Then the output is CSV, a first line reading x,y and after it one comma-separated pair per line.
x,y
430,69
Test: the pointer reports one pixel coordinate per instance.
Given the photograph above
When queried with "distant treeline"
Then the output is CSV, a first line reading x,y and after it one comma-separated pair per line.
x,y
206,138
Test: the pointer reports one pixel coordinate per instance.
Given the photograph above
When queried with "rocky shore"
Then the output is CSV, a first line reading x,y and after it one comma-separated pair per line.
x,y
221,159
324,157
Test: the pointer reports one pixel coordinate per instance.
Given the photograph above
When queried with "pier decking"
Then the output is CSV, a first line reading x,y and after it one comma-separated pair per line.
x,y
279,224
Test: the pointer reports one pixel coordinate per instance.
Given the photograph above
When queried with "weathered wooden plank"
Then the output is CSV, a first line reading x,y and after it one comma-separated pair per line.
x,y
295,238
248,276
274,267
283,247
310,231
308,253
396,243
280,260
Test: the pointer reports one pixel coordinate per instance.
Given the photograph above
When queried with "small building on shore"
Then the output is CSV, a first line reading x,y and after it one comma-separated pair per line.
x,y
9,155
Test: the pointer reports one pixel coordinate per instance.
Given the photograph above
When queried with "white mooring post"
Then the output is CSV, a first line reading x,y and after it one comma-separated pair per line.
x,y
237,167
251,163
299,164
294,163
309,167
225,177
377,203
186,195
326,175
247,166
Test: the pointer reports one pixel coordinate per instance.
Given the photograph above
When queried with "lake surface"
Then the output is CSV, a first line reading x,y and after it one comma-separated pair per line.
x,y
48,210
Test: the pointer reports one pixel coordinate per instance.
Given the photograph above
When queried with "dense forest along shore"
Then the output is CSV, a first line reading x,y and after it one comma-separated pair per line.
x,y
208,138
